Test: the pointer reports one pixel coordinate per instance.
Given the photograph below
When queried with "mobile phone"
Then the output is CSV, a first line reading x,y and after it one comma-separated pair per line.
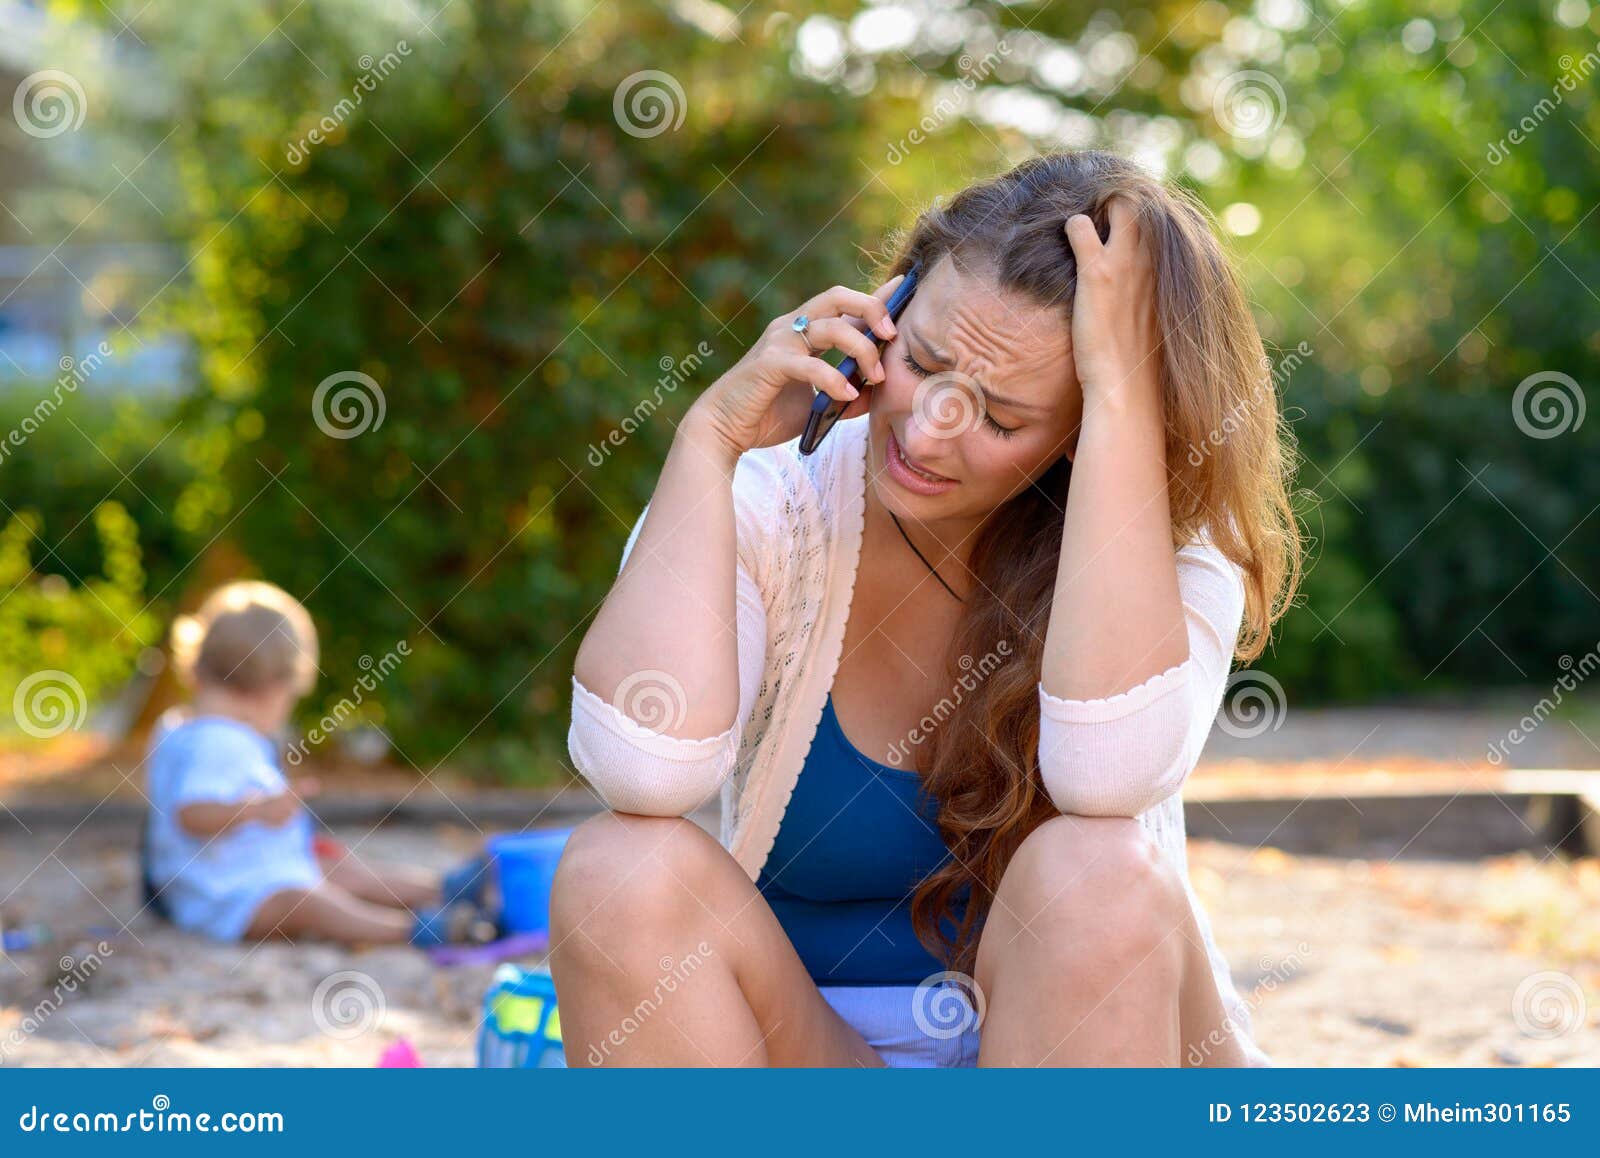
x,y
825,410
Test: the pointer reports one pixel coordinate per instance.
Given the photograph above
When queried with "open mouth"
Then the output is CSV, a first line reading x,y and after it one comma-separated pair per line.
x,y
910,475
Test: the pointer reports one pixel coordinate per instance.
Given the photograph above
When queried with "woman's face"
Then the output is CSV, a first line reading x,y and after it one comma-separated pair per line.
x,y
980,391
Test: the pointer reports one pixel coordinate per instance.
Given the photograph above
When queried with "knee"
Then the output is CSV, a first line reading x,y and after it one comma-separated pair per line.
x,y
621,875
1095,889
282,914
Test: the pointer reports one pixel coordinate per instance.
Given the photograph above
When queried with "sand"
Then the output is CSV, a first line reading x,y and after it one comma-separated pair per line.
x,y
1344,962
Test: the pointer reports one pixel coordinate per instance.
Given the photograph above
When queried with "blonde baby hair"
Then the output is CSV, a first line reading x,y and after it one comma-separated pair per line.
x,y
247,637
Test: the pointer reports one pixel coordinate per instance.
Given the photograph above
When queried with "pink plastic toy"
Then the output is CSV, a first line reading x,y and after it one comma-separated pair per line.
x,y
402,1055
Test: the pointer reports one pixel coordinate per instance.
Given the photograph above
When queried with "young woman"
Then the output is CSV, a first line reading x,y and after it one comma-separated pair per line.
x,y
949,672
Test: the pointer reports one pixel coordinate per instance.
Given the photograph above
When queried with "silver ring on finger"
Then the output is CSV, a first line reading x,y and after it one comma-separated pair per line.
x,y
800,325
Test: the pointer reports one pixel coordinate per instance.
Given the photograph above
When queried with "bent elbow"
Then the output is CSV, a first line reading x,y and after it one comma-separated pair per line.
x,y
627,780
1096,778
628,794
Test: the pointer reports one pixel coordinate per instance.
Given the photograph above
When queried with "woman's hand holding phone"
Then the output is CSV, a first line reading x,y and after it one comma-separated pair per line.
x,y
765,398
685,552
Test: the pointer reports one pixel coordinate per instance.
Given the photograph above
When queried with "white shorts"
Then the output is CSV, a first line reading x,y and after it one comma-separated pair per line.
x,y
923,1026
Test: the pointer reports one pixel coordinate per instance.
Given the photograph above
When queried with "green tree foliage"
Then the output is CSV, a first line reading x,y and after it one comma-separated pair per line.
x,y
78,516
92,631
514,274
1433,265
457,212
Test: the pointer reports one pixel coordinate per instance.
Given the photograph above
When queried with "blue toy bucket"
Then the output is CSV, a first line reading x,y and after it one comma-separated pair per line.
x,y
526,866
521,1024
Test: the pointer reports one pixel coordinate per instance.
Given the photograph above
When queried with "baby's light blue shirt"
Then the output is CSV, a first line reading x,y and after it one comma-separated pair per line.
x,y
214,886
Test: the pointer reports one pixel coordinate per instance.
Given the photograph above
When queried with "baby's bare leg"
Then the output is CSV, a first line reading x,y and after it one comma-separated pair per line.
x,y
396,886
328,913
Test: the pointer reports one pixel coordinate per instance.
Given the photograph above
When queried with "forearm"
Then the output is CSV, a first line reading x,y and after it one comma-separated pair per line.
x,y
1117,617
209,819
672,608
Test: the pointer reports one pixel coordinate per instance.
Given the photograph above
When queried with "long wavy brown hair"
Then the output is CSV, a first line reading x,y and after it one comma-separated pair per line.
x,y
1229,458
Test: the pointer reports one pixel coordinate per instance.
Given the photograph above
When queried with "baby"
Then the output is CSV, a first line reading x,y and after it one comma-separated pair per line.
x,y
230,850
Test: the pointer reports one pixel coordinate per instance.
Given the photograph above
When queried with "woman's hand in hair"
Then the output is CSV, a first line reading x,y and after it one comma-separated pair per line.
x,y
765,398
1116,618
1116,340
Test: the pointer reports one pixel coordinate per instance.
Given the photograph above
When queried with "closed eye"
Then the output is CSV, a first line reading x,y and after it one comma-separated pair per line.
x,y
914,366
1002,431
922,371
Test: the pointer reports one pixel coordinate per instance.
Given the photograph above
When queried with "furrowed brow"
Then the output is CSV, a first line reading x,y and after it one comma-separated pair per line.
x,y
943,358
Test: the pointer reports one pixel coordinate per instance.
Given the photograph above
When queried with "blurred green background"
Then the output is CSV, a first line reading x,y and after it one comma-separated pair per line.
x,y
515,229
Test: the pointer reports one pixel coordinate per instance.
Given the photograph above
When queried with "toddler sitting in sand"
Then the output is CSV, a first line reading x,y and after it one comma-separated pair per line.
x,y
230,850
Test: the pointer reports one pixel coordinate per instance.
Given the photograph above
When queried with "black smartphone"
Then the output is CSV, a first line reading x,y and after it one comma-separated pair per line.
x,y
825,410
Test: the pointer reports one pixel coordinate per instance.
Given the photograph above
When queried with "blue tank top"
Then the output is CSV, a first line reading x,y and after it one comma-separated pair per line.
x,y
857,838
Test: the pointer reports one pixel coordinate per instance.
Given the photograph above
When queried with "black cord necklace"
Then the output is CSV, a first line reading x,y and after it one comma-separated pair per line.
x,y
924,559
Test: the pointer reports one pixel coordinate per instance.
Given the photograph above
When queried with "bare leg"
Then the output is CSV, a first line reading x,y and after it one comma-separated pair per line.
x,y
664,953
328,913
1091,956
397,886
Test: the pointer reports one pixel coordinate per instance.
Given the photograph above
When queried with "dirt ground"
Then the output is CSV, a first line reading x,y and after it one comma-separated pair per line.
x,y
1343,962
153,996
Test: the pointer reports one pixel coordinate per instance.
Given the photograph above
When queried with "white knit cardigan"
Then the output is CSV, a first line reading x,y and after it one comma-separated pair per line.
x,y
799,523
